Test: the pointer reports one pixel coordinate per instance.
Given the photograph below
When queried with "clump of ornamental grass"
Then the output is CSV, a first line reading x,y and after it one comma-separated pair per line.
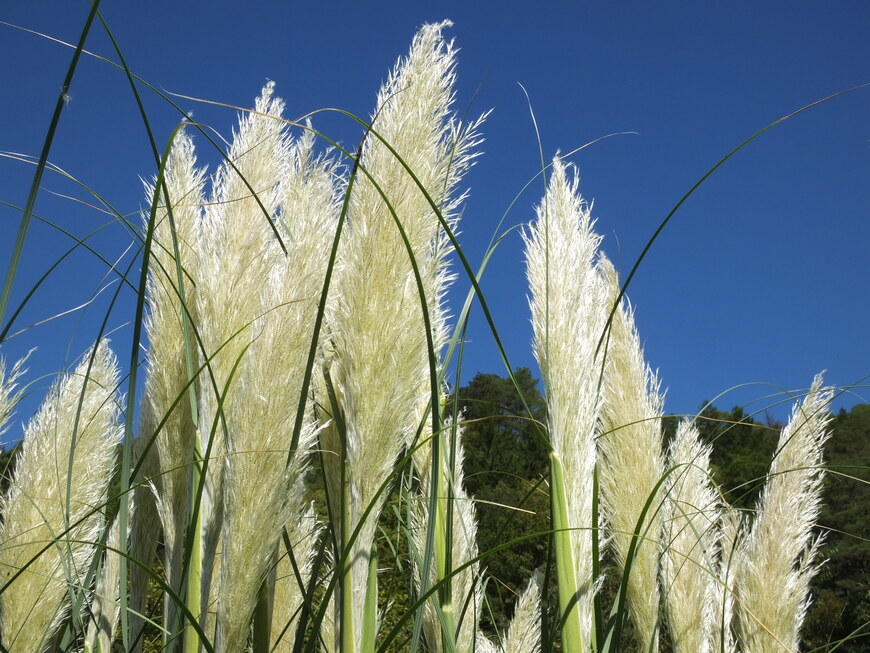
x,y
231,434
665,526
296,307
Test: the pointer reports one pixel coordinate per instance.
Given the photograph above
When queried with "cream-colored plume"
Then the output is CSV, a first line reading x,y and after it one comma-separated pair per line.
x,y
53,509
381,366
692,545
632,462
257,307
524,632
777,559
166,409
9,391
570,304
142,536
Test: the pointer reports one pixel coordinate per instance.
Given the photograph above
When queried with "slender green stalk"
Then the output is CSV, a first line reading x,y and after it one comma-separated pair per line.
x,y
193,585
573,638
370,614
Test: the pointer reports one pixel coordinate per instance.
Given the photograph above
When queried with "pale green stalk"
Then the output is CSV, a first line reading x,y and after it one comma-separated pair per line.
x,y
457,617
692,545
46,540
569,308
632,464
777,559
381,364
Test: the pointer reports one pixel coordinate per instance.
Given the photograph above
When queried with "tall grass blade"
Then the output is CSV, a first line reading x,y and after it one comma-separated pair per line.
x,y
41,164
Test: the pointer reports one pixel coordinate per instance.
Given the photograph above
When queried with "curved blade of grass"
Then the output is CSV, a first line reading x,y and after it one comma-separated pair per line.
x,y
700,181
43,160
4,334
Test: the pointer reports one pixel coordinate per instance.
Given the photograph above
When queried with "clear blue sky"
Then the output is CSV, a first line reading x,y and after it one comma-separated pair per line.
x,y
762,275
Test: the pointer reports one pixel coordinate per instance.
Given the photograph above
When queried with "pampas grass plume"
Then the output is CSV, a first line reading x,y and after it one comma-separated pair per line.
x,y
53,507
569,305
777,560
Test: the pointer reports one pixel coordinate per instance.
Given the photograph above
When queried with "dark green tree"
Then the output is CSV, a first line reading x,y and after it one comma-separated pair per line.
x,y
742,452
501,438
505,461
841,603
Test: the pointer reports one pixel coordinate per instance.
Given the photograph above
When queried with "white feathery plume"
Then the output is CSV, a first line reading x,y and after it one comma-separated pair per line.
x,y
777,560
232,245
105,606
9,391
142,534
524,632
723,638
269,296
569,304
236,245
309,208
380,368
632,462
485,645
171,290
52,509
692,545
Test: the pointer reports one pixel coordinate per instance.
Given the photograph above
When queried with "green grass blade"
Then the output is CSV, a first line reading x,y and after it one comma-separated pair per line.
x,y
40,166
